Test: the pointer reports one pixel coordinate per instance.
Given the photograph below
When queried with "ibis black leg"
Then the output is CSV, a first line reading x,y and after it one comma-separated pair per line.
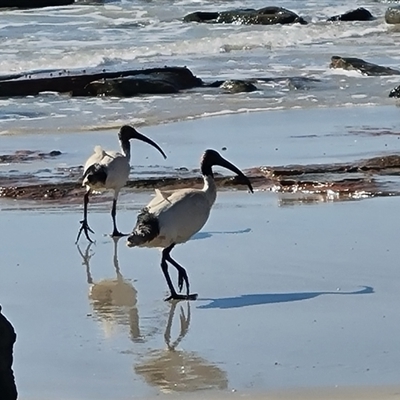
x,y
164,267
182,276
116,232
84,223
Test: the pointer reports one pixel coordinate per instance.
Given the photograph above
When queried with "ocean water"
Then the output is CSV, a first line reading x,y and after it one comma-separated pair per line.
x,y
142,34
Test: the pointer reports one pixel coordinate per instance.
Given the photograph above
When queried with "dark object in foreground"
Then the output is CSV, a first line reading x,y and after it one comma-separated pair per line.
x,y
34,3
365,67
247,16
359,14
8,390
87,83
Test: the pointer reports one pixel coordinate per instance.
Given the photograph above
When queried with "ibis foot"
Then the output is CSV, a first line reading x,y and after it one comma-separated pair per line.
x,y
86,229
118,234
176,296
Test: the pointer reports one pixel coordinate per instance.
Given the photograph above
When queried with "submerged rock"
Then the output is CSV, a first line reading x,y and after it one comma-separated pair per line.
x,y
34,3
395,92
392,15
301,83
248,16
8,390
366,68
292,82
359,14
237,86
387,164
344,180
27,155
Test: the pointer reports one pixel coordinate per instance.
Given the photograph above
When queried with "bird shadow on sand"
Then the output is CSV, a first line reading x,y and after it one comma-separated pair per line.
x,y
206,235
246,300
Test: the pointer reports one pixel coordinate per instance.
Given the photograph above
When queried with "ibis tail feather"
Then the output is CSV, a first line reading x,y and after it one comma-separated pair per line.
x,y
147,228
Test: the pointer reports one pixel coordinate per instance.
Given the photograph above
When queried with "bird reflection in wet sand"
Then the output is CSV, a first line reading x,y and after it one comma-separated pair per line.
x,y
113,300
173,370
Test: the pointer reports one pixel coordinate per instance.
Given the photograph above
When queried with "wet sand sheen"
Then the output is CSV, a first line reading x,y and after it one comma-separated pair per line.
x,y
289,297
372,393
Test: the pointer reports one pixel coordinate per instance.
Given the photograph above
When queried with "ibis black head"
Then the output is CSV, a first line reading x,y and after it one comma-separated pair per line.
x,y
127,133
212,157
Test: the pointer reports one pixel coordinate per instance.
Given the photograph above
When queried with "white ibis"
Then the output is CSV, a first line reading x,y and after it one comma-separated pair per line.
x,y
105,170
173,217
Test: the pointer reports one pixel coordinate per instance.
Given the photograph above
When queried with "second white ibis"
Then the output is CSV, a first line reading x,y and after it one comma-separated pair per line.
x,y
105,170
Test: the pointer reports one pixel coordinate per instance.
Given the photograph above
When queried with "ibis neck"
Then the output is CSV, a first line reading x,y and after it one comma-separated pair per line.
x,y
210,188
126,148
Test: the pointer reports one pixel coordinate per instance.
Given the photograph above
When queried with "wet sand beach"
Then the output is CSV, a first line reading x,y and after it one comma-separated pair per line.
x,y
298,292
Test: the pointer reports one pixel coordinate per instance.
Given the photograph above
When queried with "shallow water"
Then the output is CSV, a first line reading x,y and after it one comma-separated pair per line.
x,y
251,140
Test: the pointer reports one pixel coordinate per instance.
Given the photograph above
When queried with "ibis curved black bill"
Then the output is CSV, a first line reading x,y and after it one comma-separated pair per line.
x,y
226,164
212,157
129,132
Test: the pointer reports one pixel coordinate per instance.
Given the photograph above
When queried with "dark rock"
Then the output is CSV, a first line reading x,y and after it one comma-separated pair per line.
x,y
392,15
237,86
215,84
364,67
34,3
263,16
53,153
77,83
8,390
200,16
360,14
293,82
27,155
131,86
395,92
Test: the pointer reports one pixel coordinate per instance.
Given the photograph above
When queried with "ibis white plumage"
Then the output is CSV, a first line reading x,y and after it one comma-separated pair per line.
x,y
173,217
109,170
